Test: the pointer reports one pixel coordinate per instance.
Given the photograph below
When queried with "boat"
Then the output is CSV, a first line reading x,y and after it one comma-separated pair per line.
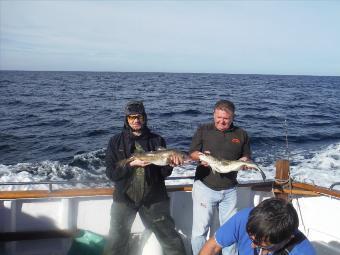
x,y
49,221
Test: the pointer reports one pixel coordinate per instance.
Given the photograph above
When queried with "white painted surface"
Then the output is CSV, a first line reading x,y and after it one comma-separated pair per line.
x,y
319,220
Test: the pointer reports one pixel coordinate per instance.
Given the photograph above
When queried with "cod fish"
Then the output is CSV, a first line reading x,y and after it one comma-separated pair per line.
x,y
161,157
226,166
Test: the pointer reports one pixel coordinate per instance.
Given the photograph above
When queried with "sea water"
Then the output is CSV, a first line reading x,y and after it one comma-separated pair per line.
x,y
55,126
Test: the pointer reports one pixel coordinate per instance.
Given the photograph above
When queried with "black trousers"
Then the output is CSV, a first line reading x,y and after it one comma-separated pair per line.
x,y
156,218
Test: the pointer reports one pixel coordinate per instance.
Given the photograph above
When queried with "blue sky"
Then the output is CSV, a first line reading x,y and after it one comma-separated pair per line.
x,y
263,37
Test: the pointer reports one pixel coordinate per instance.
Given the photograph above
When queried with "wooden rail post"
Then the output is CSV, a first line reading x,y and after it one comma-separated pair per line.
x,y
281,177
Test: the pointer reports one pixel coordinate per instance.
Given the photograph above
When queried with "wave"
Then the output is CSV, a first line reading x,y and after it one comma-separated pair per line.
x,y
5,147
96,132
92,161
264,117
297,139
53,123
84,167
15,102
55,110
185,112
320,167
6,82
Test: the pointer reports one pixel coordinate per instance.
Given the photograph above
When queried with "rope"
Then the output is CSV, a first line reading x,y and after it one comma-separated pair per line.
x,y
281,181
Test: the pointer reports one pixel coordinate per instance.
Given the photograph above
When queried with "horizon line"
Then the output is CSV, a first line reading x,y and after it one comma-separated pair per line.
x,y
167,72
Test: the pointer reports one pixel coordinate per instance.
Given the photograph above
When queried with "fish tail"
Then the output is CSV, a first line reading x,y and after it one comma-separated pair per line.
x,y
184,155
264,177
187,159
255,166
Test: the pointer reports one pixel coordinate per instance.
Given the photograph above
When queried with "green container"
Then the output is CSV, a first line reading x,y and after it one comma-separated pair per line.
x,y
87,243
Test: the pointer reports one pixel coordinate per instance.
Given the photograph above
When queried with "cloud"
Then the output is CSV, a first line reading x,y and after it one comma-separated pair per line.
x,y
192,35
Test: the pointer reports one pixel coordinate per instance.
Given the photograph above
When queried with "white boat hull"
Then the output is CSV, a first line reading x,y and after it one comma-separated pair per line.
x,y
318,220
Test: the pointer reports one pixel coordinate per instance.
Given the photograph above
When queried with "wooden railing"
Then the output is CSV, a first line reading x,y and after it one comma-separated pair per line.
x,y
297,189
282,186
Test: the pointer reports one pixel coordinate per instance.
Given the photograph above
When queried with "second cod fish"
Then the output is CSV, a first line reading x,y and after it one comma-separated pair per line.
x,y
161,157
226,166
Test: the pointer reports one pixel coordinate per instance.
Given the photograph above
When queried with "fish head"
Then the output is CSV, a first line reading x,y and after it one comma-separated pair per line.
x,y
213,163
205,157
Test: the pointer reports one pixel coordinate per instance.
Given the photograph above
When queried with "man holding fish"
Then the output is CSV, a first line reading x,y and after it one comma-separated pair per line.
x,y
139,184
211,189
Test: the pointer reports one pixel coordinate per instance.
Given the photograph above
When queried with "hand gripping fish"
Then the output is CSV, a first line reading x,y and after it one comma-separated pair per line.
x,y
161,157
226,166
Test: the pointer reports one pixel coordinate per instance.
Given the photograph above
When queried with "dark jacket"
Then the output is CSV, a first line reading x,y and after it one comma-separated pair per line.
x,y
120,147
230,144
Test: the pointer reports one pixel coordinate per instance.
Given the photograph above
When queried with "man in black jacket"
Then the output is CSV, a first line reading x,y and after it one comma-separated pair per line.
x,y
139,186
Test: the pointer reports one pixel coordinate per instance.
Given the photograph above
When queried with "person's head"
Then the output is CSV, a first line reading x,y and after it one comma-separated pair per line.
x,y
135,115
272,224
224,112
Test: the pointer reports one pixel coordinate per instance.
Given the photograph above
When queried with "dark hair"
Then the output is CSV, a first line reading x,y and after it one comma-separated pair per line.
x,y
225,105
273,220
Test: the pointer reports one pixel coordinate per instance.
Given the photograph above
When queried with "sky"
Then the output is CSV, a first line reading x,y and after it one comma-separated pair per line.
x,y
241,37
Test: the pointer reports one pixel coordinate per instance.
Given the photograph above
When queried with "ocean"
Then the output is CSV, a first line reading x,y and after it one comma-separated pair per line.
x,y
55,126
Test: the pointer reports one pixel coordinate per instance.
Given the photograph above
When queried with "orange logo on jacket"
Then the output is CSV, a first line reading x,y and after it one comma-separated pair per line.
x,y
235,140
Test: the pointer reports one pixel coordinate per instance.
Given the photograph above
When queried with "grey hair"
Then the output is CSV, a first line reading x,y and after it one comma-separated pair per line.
x,y
225,105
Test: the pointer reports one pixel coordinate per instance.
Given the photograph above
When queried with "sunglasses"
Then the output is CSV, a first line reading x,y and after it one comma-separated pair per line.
x,y
271,247
133,117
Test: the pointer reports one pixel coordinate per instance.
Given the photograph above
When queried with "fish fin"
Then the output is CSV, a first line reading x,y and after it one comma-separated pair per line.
x,y
122,163
213,170
160,148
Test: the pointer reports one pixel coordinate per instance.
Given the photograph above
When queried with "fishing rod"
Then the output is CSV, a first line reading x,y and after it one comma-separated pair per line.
x,y
290,185
288,158
287,145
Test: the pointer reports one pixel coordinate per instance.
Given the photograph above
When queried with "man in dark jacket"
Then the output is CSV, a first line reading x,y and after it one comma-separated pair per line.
x,y
139,186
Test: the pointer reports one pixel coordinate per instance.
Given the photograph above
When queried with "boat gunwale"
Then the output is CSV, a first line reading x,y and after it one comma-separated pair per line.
x,y
297,189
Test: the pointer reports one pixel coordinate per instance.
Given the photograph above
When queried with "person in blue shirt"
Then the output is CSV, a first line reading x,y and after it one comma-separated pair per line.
x,y
270,228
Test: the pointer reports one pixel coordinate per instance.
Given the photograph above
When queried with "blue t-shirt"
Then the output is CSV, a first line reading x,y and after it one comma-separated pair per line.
x,y
234,231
